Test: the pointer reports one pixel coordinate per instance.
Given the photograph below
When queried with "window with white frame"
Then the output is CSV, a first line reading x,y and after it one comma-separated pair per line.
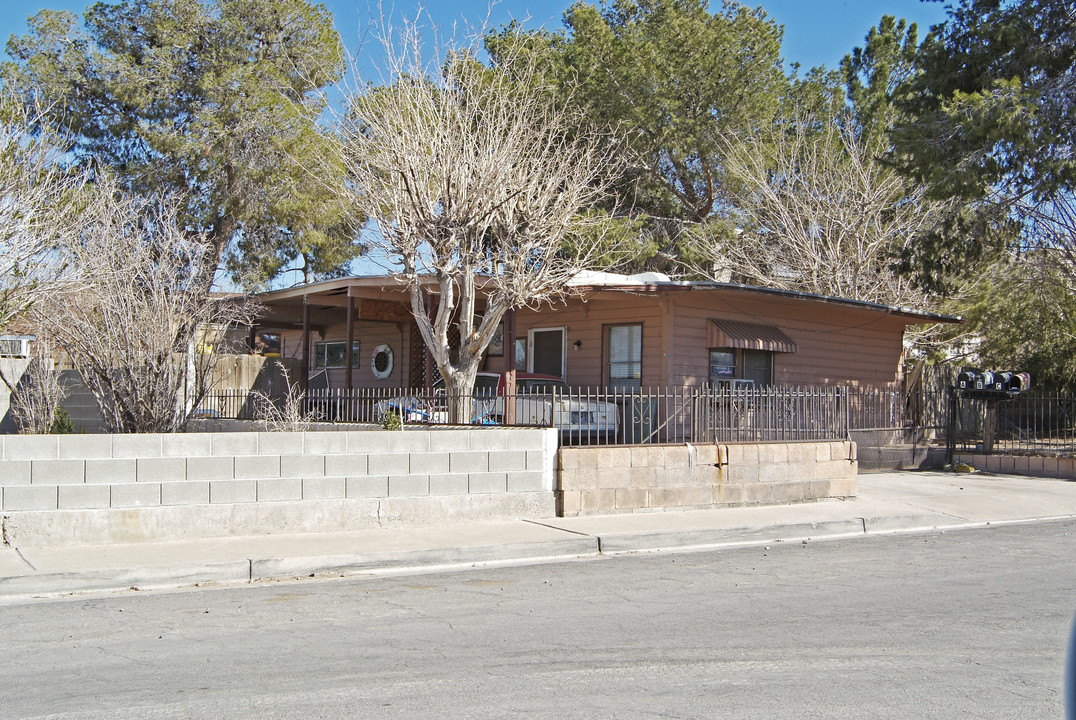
x,y
15,345
334,354
624,350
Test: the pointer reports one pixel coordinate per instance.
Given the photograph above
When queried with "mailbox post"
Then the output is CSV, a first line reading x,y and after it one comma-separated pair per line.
x,y
992,387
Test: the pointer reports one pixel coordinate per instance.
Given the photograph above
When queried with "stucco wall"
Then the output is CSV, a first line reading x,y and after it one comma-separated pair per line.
x,y
12,369
680,477
60,489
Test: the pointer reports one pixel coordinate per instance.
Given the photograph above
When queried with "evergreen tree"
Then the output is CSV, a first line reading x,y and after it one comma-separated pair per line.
x,y
213,102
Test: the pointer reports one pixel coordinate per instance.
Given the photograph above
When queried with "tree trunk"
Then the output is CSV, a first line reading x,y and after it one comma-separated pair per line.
x,y
460,388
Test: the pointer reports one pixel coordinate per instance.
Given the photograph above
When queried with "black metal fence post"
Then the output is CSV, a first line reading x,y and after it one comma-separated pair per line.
x,y
950,425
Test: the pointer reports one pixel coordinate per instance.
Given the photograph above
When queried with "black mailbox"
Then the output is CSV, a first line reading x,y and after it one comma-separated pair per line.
x,y
988,385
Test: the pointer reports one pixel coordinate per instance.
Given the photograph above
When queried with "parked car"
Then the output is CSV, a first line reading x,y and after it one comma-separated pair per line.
x,y
541,400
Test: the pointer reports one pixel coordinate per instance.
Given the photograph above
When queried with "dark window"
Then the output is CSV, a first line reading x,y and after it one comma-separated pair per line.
x,y
548,351
486,385
758,367
730,364
334,354
535,386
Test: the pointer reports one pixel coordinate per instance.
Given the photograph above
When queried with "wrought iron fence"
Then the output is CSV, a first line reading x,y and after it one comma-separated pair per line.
x,y
1040,424
626,417
886,417
230,405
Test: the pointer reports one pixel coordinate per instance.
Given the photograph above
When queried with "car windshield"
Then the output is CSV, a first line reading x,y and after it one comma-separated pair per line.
x,y
484,385
541,386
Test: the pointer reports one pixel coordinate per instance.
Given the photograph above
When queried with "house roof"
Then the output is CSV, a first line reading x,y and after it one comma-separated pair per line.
x,y
658,283
391,288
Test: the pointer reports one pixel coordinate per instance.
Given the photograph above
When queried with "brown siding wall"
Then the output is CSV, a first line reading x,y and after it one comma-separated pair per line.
x,y
585,322
835,345
369,335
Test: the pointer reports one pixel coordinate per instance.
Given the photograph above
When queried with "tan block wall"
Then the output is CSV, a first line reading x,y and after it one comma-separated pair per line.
x,y
1030,465
688,477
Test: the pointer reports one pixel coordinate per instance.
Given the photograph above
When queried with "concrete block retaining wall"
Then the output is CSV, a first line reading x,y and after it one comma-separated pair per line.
x,y
65,489
680,477
1030,465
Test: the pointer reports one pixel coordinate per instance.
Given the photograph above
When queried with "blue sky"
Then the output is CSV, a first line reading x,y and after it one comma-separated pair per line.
x,y
816,32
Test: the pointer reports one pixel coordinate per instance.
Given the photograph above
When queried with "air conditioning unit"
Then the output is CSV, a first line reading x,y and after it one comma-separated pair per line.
x,y
735,384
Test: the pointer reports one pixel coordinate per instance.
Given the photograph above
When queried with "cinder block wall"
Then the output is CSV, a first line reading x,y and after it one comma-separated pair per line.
x,y
687,477
1030,465
60,489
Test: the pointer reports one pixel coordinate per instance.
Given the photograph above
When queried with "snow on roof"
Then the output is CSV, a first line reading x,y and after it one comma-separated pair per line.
x,y
593,278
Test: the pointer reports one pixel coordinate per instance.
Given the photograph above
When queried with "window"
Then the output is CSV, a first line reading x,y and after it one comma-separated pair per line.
x,y
722,365
521,354
625,356
334,354
546,351
269,344
728,365
15,345
758,367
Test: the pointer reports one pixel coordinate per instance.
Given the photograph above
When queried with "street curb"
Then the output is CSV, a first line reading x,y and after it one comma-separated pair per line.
x,y
124,578
647,542
908,523
642,542
271,568
578,545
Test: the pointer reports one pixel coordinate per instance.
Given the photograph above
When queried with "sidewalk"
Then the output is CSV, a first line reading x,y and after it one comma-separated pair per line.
x,y
888,502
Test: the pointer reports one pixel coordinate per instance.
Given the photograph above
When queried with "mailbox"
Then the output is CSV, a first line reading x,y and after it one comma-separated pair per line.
x,y
989,385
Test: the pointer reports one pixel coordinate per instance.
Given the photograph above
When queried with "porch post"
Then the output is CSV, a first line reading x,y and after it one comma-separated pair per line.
x,y
509,338
350,341
428,357
304,363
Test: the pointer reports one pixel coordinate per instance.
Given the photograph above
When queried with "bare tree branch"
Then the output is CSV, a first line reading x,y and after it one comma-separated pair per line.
x,y
820,214
39,210
37,394
138,324
477,185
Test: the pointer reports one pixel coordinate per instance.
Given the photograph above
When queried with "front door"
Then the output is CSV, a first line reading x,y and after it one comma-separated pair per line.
x,y
546,351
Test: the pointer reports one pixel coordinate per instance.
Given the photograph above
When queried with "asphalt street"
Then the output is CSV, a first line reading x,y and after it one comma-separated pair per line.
x,y
964,624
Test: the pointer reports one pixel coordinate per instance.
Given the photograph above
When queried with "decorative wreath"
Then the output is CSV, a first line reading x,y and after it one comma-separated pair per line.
x,y
381,363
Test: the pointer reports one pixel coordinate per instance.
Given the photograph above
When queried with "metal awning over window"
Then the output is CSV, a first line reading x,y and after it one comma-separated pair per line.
x,y
749,336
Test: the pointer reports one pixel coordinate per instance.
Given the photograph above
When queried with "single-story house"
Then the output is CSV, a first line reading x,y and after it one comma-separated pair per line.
x,y
610,331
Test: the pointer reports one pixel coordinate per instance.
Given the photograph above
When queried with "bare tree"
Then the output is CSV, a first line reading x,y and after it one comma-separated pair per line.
x,y
138,325
39,208
820,215
37,394
1050,228
285,412
476,185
